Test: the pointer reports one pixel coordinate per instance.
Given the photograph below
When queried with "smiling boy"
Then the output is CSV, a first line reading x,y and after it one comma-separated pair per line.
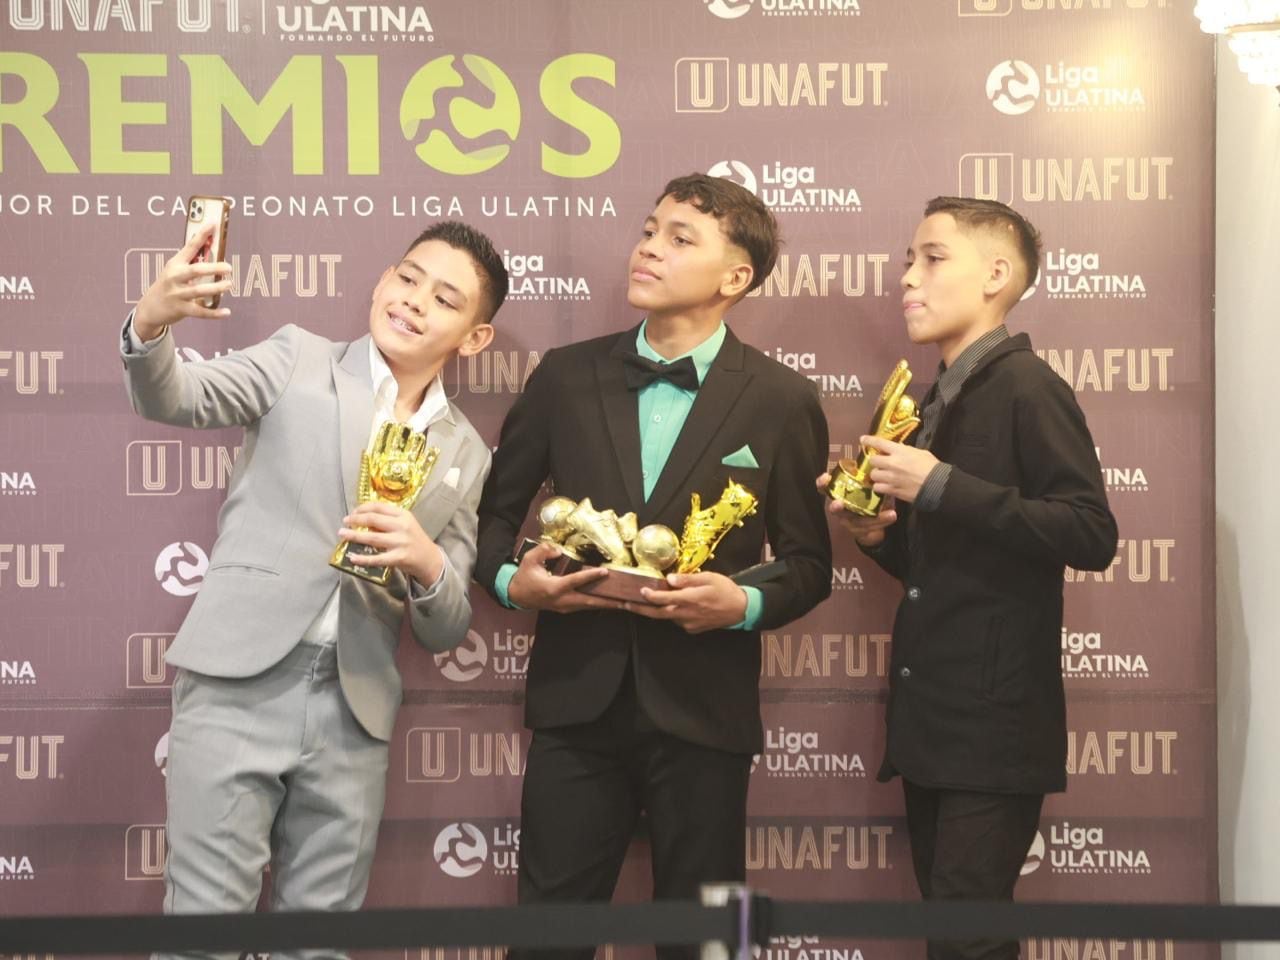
x,y
287,687
656,708
1000,492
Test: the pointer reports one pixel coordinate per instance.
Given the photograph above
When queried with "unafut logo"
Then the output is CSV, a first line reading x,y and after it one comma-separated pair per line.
x,y
466,661
460,850
1013,87
729,9
181,567
1035,856
734,170
469,119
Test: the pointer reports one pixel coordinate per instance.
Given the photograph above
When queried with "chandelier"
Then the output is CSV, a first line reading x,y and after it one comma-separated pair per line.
x,y
1252,28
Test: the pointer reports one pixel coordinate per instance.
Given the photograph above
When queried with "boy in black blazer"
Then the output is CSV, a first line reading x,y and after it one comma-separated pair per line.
x,y
1001,490
656,708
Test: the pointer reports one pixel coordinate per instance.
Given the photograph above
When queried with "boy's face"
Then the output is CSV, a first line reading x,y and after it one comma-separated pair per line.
x,y
683,261
425,308
946,283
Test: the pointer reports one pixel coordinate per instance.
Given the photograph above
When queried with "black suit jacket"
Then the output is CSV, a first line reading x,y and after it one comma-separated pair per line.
x,y
578,424
975,687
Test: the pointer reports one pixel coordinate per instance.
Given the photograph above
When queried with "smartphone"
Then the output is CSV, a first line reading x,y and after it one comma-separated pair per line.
x,y
202,211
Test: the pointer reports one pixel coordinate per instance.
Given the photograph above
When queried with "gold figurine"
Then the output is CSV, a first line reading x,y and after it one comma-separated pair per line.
x,y
896,418
394,469
705,528
604,531
638,558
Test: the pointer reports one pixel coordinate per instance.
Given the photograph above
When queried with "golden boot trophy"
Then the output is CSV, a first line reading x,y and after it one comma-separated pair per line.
x,y
895,418
705,528
394,469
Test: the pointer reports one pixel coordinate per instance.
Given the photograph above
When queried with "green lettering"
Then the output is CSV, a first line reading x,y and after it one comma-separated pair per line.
x,y
109,112
298,91
27,115
562,102
362,113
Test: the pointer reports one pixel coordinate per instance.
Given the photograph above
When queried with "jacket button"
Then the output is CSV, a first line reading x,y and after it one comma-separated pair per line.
x,y
913,593
905,673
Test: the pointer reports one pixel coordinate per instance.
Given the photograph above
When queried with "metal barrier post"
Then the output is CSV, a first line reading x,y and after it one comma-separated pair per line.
x,y
743,933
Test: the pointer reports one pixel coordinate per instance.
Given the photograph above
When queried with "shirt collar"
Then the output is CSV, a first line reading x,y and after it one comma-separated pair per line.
x,y
703,355
952,378
434,406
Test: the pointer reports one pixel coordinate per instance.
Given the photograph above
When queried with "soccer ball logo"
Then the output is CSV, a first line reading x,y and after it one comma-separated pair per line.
x,y
460,850
181,567
1013,87
466,661
735,170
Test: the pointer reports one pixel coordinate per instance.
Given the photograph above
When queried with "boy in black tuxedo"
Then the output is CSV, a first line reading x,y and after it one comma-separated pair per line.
x,y
1000,491
655,708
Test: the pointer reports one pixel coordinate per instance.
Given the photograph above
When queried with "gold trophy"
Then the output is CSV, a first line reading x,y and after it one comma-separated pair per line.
x,y
636,558
394,469
705,528
895,418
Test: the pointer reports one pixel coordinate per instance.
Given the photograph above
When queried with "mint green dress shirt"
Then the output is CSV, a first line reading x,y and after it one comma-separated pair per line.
x,y
663,409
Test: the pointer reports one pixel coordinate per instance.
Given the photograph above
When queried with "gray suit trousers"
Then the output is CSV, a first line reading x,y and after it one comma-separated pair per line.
x,y
271,769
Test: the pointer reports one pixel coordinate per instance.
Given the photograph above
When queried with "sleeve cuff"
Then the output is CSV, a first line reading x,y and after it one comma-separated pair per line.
x,y
133,344
755,608
935,484
501,582
427,594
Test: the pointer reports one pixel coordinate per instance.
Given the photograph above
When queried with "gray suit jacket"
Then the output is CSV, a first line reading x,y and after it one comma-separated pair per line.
x,y
306,405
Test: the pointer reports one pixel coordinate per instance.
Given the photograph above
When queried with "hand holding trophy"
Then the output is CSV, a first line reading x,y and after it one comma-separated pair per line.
x,y
393,470
895,418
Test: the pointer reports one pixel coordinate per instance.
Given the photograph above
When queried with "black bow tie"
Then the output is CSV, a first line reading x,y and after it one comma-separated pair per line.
x,y
640,371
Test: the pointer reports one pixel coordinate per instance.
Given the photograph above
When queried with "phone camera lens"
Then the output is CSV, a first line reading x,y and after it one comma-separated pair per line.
x,y
197,211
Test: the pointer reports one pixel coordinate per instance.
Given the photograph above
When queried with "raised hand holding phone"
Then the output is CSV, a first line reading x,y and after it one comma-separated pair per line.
x,y
194,279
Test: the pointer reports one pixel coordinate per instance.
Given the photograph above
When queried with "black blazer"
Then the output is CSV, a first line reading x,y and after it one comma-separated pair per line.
x,y
975,685
578,424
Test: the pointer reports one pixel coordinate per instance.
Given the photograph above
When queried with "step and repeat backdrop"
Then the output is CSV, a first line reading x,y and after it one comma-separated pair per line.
x,y
341,129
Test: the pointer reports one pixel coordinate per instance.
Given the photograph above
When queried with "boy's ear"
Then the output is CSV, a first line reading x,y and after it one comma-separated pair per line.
x,y
478,337
999,277
736,280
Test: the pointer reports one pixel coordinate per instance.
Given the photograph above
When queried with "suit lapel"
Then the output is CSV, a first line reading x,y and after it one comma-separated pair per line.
x,y
621,415
719,393
353,382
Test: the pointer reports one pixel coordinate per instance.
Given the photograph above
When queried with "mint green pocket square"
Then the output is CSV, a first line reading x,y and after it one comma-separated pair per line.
x,y
742,457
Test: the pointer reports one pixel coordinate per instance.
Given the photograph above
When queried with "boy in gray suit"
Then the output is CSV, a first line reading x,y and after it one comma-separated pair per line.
x,y
287,688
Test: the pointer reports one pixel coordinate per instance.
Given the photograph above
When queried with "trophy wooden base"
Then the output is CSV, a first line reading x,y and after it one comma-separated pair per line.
x,y
341,560
621,583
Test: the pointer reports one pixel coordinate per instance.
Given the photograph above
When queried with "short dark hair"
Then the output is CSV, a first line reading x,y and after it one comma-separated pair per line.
x,y
744,220
995,216
488,263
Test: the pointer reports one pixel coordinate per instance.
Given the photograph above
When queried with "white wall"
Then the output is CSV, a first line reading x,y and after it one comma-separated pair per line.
x,y
1248,490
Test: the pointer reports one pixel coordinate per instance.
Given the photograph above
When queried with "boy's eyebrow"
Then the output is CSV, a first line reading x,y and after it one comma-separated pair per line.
x,y
928,245
673,224
406,262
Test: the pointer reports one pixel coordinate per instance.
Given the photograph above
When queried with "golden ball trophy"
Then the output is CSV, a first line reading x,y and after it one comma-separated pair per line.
x,y
637,558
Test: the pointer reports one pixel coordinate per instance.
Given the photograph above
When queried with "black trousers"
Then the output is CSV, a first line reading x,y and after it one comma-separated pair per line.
x,y
584,789
968,845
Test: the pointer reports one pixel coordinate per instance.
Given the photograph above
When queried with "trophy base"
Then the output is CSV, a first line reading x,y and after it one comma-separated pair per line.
x,y
341,560
860,500
625,583
846,488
